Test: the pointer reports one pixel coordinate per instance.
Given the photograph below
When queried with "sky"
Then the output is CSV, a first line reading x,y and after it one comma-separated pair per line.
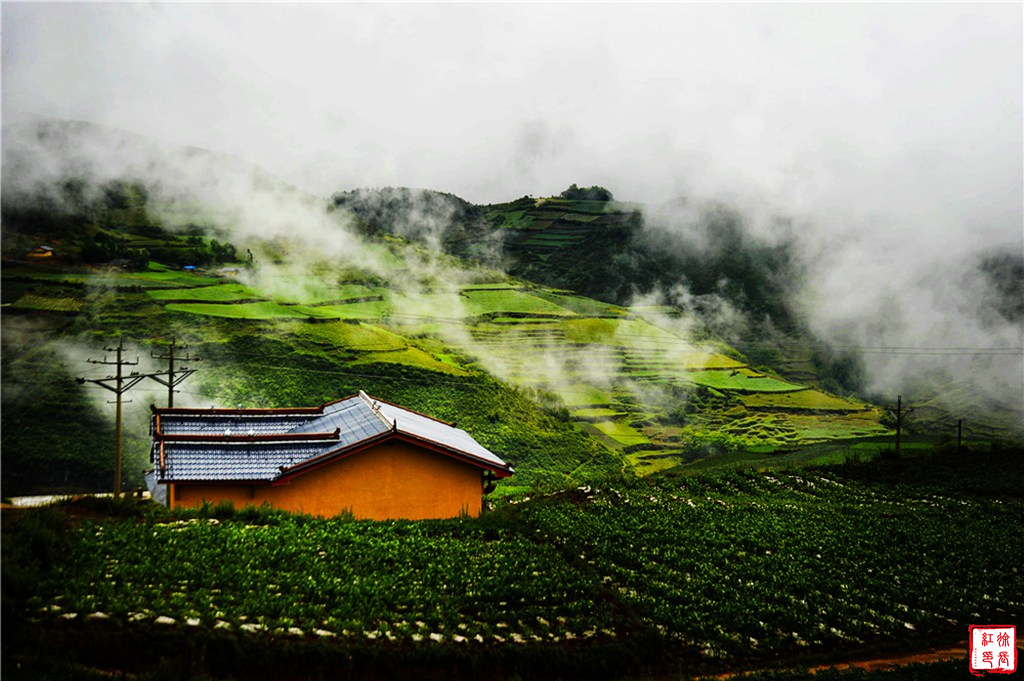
x,y
802,102
890,132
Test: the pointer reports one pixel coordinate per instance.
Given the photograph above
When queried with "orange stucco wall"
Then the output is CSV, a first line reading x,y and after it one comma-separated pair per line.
x,y
392,480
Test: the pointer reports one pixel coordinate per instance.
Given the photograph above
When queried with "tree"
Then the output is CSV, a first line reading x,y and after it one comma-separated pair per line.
x,y
594,193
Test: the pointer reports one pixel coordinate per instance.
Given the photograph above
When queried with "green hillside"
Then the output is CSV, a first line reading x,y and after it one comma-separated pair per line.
x,y
586,242
548,362
564,387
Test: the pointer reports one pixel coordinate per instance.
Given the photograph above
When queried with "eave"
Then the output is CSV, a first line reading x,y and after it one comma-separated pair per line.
x,y
289,472
263,437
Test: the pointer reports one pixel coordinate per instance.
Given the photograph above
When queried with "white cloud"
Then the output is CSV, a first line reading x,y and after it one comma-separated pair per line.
x,y
892,132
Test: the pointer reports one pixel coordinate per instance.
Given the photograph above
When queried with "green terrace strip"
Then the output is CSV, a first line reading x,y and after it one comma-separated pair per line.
x,y
154,278
30,301
345,292
258,310
360,337
805,400
374,309
585,395
216,293
741,380
483,302
732,569
621,432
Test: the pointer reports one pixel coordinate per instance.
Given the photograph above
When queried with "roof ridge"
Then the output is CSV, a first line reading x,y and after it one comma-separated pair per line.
x,y
375,408
246,411
417,413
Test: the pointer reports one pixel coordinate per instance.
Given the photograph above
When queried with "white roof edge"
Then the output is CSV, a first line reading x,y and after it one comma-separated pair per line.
x,y
375,408
443,434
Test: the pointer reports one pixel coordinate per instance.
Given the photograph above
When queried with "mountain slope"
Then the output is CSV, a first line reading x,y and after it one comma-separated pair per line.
x,y
318,304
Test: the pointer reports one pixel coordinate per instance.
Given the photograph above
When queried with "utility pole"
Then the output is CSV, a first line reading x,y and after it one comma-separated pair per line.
x,y
118,384
900,413
173,377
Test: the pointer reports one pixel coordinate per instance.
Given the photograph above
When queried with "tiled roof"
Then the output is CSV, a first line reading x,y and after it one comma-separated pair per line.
x,y
250,445
229,424
250,461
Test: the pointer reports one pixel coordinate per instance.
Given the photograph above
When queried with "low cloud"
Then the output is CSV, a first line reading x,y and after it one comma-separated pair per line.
x,y
887,135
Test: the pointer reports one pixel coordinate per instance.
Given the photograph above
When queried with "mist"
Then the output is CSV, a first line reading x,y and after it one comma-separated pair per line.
x,y
887,137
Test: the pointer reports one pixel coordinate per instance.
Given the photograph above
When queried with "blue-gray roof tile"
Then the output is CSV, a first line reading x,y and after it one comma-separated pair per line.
x,y
256,445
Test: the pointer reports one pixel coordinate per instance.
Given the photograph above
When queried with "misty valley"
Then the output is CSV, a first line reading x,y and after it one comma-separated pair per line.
x,y
706,480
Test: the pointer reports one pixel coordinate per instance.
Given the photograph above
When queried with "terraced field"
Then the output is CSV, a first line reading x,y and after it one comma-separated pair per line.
x,y
620,376
628,377
624,378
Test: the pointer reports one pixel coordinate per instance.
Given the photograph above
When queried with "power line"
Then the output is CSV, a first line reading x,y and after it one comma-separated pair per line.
x,y
173,377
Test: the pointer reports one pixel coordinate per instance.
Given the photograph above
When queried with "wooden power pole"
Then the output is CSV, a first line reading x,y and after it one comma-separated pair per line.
x,y
119,384
174,377
900,413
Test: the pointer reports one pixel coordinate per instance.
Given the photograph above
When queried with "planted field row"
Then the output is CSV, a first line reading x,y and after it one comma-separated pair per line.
x,y
272,310
813,400
214,293
750,565
31,301
408,581
235,292
728,568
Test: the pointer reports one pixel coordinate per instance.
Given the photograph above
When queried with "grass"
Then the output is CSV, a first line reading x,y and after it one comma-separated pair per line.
x,y
46,276
671,362
156,275
646,463
224,292
812,428
309,291
534,322
581,395
260,310
156,278
373,309
595,413
484,302
812,400
496,286
552,239
741,380
412,357
621,432
517,219
619,332
360,337
581,305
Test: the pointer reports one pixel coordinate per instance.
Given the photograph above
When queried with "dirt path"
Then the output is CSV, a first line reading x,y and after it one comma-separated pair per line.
x,y
953,652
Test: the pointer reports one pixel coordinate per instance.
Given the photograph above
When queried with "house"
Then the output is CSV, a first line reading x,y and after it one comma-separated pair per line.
x,y
359,454
41,252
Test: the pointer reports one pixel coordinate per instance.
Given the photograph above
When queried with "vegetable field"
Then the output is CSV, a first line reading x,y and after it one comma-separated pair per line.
x,y
697,573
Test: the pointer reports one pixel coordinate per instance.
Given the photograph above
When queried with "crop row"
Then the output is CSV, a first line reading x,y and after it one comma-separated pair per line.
x,y
331,578
745,564
725,567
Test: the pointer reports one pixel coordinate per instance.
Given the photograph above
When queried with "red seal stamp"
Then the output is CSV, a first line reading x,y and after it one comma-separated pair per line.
x,y
992,648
